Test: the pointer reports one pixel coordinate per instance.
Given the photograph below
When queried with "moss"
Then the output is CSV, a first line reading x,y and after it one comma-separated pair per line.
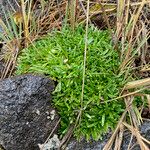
x,y
60,56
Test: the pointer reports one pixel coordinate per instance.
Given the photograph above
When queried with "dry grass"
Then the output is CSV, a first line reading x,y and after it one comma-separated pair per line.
x,y
25,25
137,83
132,32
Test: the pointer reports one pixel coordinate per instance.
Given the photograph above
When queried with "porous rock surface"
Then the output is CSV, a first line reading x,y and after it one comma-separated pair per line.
x,y
98,145
144,131
1,66
25,112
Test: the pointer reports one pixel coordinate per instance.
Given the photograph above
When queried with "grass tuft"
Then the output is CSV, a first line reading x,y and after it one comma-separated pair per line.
x,y
60,56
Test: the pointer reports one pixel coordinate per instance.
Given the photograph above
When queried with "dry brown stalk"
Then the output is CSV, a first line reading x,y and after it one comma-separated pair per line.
x,y
139,138
138,83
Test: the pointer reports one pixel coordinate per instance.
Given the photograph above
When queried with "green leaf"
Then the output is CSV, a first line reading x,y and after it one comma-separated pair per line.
x,y
58,88
103,119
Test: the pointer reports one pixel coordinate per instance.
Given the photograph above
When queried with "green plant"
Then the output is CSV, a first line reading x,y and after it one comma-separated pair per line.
x,y
60,56
20,26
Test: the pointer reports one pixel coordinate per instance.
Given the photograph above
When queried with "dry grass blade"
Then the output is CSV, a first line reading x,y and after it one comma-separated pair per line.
x,y
120,17
26,19
137,83
42,146
135,121
146,68
12,38
72,6
139,138
10,4
11,62
130,142
26,25
67,136
128,94
132,32
69,133
119,138
148,101
85,54
134,19
112,138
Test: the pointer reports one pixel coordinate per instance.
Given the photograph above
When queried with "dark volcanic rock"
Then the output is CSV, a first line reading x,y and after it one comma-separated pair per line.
x,y
98,145
91,145
1,66
25,112
145,132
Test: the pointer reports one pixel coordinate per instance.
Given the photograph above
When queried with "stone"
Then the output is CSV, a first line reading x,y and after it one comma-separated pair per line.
x,y
1,66
87,145
25,104
52,144
144,131
98,145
